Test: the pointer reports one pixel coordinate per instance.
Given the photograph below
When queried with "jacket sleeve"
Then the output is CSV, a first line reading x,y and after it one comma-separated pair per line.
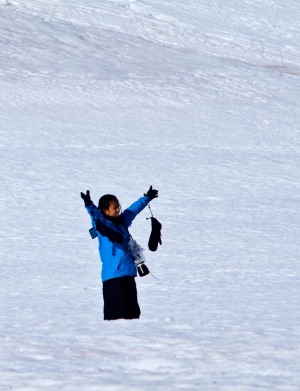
x,y
93,211
134,209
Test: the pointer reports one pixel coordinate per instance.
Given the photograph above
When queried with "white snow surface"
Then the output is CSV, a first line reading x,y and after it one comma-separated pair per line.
x,y
199,99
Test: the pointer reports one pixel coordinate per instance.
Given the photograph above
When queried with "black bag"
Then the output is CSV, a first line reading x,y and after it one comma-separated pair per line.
x,y
155,236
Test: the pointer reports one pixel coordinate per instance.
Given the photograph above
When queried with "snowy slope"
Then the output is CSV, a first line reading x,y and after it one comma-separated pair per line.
x,y
199,99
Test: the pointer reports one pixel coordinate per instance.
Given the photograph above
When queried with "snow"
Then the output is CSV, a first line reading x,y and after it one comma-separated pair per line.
x,y
199,99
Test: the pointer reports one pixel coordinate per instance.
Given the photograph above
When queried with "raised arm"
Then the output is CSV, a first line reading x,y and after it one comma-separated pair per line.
x,y
91,207
130,213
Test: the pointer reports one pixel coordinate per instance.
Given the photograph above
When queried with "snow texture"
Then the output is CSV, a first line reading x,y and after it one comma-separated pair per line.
x,y
199,99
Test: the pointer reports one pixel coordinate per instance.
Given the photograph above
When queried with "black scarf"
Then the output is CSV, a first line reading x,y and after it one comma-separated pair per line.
x,y
111,234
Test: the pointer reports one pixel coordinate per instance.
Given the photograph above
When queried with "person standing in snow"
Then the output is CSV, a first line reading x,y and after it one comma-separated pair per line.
x,y
119,266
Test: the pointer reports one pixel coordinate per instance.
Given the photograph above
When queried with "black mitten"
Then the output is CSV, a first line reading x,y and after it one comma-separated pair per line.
x,y
151,193
155,236
86,198
111,234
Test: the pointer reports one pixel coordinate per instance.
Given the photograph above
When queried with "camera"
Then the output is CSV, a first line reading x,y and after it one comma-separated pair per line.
x,y
142,269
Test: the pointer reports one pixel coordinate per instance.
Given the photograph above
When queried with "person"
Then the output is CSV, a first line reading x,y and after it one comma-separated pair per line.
x,y
119,266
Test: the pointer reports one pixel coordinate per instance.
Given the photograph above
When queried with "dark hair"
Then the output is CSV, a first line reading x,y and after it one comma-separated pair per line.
x,y
105,200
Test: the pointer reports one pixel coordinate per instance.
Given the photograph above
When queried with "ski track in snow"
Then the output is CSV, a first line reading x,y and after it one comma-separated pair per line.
x,y
199,99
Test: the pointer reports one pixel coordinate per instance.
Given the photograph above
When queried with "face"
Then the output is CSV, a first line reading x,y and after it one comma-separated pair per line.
x,y
113,210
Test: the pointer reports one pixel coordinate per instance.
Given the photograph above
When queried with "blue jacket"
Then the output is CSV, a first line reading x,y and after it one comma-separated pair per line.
x,y
116,262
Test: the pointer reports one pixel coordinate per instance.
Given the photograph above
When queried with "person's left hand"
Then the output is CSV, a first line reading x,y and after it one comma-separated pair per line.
x,y
151,193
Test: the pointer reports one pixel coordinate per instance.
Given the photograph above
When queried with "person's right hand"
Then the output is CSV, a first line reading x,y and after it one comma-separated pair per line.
x,y
86,198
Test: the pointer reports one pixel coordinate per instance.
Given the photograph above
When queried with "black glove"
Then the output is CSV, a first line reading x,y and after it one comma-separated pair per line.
x,y
155,236
151,193
86,198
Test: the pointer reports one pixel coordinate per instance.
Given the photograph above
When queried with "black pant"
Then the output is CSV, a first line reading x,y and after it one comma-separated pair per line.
x,y
120,299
